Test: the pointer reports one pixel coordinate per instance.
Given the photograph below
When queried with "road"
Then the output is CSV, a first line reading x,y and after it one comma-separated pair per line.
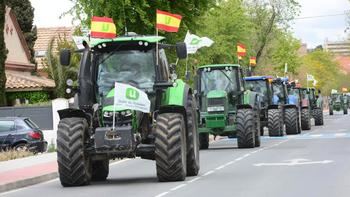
x,y
315,163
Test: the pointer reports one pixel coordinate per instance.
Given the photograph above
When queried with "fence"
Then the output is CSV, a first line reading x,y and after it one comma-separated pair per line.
x,y
41,115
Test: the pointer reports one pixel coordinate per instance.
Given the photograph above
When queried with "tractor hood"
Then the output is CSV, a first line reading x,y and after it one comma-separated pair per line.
x,y
217,94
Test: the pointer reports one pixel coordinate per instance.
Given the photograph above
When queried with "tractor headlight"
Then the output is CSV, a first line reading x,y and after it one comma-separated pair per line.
x,y
216,108
108,114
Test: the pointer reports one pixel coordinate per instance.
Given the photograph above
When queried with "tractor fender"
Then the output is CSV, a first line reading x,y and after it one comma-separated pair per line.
x,y
175,98
273,107
251,100
71,112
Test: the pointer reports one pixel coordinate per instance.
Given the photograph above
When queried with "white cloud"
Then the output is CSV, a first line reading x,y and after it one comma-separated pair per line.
x,y
314,31
47,12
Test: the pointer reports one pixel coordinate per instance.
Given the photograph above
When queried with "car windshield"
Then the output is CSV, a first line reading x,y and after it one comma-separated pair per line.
x,y
258,86
218,80
133,67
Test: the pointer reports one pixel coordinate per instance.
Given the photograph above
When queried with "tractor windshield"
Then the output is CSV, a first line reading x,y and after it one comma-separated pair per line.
x,y
259,86
225,80
133,67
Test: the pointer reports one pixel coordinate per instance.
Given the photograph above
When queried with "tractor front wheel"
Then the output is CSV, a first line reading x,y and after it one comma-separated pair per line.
x,y
74,165
192,138
330,110
170,147
100,170
275,122
204,141
291,121
318,116
345,111
305,119
246,128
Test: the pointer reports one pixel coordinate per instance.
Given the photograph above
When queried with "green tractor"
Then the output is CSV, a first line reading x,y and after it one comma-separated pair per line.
x,y
316,105
338,103
226,107
99,130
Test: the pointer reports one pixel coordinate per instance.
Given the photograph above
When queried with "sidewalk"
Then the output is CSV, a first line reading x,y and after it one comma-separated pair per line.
x,y
27,171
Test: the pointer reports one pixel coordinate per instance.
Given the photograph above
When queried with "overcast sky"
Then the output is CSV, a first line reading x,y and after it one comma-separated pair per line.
x,y
312,31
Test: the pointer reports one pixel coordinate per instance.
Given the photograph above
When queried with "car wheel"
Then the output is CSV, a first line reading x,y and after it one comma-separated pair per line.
x,y
21,147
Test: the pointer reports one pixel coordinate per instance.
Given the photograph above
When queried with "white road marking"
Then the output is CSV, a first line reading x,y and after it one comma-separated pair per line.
x,y
220,167
340,134
207,173
193,180
295,162
316,135
162,194
178,187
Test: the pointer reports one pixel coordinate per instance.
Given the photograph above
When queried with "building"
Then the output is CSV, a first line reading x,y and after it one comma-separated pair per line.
x,y
45,36
337,47
18,67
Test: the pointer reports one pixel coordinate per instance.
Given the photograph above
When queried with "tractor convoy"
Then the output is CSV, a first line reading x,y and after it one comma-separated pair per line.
x,y
129,103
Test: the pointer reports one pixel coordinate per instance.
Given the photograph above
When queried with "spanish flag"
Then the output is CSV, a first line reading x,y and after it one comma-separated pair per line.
x,y
168,22
241,50
252,61
102,27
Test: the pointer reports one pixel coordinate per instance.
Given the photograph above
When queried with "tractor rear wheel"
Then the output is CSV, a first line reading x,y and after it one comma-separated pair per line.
x,y
246,128
291,121
275,122
257,132
331,111
204,141
192,138
74,165
100,170
318,116
305,119
170,147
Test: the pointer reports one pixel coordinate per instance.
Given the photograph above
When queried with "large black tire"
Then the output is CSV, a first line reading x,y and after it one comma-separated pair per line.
x,y
318,116
330,111
246,128
262,130
345,111
275,122
257,133
204,141
291,121
192,138
100,170
305,119
170,147
74,165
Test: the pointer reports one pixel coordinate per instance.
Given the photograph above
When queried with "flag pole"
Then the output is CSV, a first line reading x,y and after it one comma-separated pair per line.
x,y
157,48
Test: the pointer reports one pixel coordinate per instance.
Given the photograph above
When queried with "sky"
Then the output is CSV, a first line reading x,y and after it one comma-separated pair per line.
x,y
313,31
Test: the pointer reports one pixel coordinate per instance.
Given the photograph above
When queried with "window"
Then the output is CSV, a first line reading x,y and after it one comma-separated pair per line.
x,y
164,67
6,125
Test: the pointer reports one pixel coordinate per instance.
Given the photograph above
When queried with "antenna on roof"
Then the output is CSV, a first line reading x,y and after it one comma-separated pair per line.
x,y
125,26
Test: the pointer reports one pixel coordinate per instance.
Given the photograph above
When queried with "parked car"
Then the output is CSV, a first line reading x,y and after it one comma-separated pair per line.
x,y
21,133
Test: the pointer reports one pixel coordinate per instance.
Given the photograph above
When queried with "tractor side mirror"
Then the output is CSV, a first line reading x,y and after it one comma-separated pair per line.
x,y
65,56
181,50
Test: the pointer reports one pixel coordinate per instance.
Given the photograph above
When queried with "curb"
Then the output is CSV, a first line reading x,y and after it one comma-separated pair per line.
x,y
28,182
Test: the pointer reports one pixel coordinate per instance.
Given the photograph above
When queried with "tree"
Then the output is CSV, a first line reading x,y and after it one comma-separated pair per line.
x,y
59,73
267,18
3,53
25,14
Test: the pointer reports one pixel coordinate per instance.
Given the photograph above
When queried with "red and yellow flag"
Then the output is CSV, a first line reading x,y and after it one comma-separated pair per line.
x,y
252,61
102,27
241,50
167,21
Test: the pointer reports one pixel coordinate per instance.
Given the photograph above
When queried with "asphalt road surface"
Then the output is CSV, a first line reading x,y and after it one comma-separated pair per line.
x,y
313,164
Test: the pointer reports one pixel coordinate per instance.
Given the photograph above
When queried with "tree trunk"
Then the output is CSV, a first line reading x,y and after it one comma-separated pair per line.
x,y
266,35
3,53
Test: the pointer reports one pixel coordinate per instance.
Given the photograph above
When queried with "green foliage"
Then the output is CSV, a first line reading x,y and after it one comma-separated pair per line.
x,y
33,97
324,68
59,73
3,54
25,14
286,51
